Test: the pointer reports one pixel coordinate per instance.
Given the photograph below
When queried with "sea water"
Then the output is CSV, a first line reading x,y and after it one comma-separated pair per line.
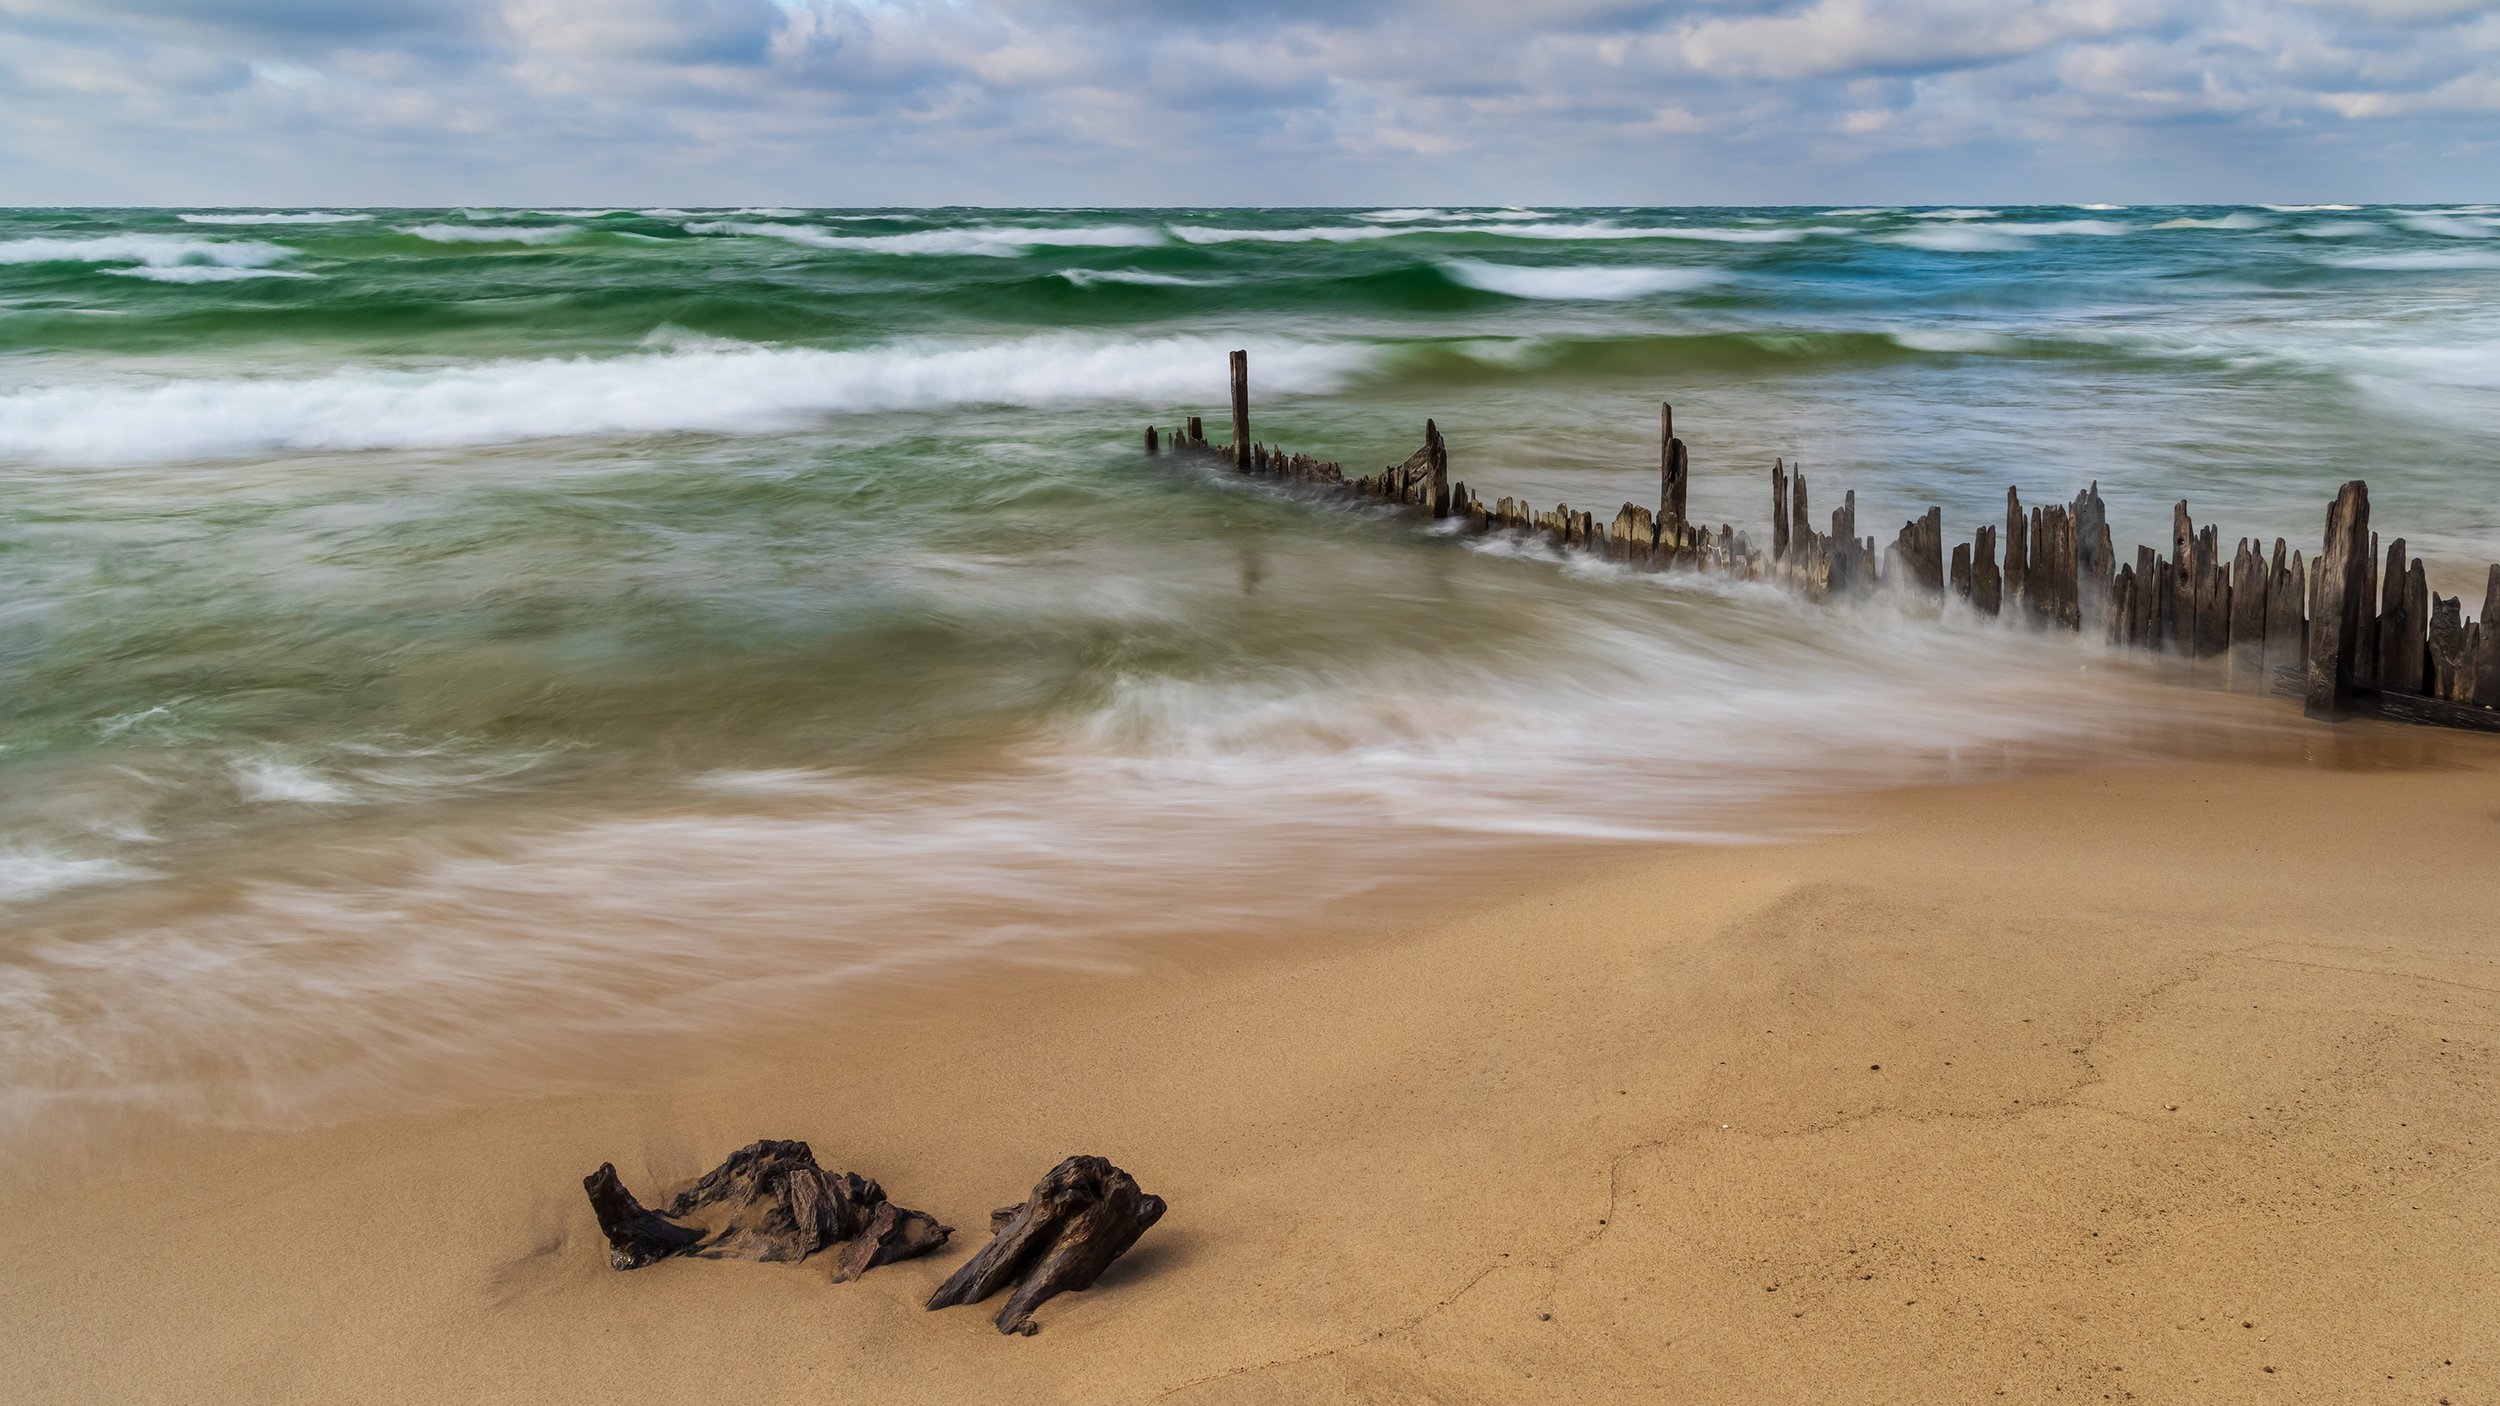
x,y
438,645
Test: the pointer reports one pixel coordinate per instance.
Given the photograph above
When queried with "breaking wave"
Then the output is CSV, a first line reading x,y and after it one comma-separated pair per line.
x,y
709,390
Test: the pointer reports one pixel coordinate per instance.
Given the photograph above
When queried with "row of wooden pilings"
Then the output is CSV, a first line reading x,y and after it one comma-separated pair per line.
x,y
2350,629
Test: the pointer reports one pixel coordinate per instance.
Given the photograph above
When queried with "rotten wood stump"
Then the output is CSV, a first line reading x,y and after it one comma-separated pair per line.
x,y
768,1202
1081,1217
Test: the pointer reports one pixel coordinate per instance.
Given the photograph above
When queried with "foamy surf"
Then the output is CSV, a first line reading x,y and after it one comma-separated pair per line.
x,y
747,390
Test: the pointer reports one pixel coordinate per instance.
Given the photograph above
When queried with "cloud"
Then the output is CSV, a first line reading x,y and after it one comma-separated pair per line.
x,y
1265,101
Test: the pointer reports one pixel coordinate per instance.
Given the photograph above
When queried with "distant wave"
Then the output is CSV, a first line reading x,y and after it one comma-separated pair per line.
x,y
1597,284
712,390
149,250
2417,260
1356,234
203,273
492,234
990,241
1978,237
301,217
1087,278
2237,219
2452,226
2305,209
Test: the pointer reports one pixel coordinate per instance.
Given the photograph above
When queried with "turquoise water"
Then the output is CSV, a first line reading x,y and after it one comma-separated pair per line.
x,y
439,641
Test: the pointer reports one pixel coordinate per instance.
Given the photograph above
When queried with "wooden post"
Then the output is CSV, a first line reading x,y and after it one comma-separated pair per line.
x,y
1152,447
2287,593
2095,562
2017,551
1962,584
2335,626
2365,644
1197,430
2485,662
1987,587
1241,411
2248,619
2447,648
1800,526
2402,624
1674,473
1779,510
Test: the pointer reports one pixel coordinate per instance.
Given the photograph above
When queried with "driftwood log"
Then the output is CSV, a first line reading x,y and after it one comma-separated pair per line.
x,y
1080,1218
769,1202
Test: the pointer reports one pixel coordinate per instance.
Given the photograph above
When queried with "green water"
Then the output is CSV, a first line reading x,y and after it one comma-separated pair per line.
x,y
439,641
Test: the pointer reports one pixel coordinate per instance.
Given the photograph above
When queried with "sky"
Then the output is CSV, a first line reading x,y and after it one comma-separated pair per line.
x,y
1250,102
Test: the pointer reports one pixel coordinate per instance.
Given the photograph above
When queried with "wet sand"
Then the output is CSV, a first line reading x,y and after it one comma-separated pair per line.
x,y
2167,1085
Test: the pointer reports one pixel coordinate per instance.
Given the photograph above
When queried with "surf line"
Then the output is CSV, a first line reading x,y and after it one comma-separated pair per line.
x,y
2337,631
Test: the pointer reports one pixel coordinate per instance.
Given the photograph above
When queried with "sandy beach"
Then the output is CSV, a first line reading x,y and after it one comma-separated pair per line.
x,y
2164,1085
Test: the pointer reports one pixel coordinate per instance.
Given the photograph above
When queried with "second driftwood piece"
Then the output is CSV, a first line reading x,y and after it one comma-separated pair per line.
x,y
769,1201
1080,1218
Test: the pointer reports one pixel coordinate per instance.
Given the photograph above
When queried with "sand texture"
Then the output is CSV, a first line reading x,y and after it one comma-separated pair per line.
x,y
2147,1085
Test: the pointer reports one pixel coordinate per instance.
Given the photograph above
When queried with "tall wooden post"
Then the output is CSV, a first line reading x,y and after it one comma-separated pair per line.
x,y
2342,584
1674,471
1779,511
1241,411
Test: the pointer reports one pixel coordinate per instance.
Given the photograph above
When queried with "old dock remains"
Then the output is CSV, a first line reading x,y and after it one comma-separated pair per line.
x,y
2352,629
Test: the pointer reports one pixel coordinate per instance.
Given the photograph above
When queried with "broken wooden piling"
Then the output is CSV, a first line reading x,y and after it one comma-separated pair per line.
x,y
2346,629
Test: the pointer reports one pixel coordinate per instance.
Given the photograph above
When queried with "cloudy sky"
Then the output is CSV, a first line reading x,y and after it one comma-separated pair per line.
x,y
1165,102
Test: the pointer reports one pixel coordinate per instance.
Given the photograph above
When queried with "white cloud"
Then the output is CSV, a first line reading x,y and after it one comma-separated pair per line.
x,y
1156,101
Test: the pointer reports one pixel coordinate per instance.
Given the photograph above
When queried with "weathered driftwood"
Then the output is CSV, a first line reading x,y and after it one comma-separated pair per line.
x,y
2342,633
1241,411
771,1202
1081,1217
2335,617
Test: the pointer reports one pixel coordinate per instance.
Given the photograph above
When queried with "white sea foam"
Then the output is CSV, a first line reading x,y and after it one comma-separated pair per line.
x,y
492,234
1952,339
989,241
2096,206
1955,239
274,217
1546,230
1087,278
2305,209
203,273
1587,284
147,250
2452,226
28,872
2338,229
2237,219
2417,260
1955,213
718,391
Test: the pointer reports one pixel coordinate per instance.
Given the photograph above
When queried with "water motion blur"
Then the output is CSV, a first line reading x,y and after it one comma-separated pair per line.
x,y
439,643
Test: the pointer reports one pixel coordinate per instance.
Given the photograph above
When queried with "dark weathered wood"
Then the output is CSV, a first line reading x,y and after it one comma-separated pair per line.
x,y
2248,618
2213,595
2485,663
2334,622
2365,641
1153,445
2414,708
1080,1218
1197,430
1848,529
1779,511
636,1235
1962,583
771,1202
2404,621
2144,626
1987,591
1241,411
2447,648
2287,628
2095,561
1675,472
1800,525
2017,553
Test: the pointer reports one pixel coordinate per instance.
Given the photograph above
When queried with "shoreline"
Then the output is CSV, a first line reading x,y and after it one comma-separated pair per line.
x,y
2085,1069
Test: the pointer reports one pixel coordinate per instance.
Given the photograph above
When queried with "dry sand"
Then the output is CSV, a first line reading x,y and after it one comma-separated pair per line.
x,y
2162,1086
